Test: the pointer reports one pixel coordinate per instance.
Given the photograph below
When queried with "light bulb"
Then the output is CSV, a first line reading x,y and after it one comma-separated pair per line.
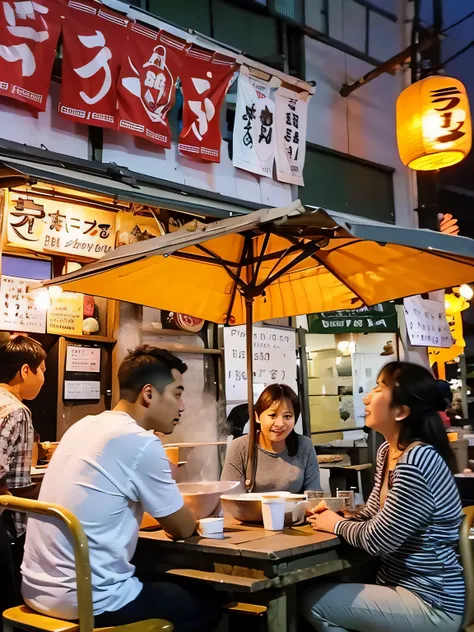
x,y
42,301
466,291
343,346
55,291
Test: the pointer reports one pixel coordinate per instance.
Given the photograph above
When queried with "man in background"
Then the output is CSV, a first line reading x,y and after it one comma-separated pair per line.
x,y
22,367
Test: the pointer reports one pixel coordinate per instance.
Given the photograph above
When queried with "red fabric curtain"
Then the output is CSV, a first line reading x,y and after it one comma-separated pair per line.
x,y
94,38
205,81
147,83
29,33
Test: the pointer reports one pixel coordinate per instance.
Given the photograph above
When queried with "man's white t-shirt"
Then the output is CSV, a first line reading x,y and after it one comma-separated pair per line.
x,y
107,471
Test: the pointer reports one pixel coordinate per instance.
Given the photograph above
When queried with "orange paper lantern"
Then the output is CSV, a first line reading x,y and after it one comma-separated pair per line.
x,y
434,128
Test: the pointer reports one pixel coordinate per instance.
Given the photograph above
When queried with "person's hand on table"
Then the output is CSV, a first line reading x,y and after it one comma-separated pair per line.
x,y
324,521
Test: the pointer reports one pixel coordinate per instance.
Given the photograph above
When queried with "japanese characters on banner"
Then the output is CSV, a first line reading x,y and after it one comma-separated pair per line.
x,y
119,74
147,83
19,310
205,82
29,32
93,45
291,122
426,322
254,137
45,225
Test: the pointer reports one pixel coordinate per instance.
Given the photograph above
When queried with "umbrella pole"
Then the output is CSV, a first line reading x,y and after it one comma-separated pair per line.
x,y
252,451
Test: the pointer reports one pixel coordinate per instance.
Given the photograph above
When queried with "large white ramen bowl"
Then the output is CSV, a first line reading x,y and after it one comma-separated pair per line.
x,y
248,507
203,498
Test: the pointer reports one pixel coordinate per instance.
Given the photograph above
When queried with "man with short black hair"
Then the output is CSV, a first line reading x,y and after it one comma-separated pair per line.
x,y
107,470
22,368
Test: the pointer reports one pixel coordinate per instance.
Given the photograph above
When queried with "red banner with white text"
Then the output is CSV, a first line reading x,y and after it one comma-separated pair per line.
x,y
205,82
93,44
29,33
147,83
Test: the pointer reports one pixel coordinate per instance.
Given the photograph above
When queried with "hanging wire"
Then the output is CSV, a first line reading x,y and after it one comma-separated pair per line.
x,y
466,17
462,50
455,56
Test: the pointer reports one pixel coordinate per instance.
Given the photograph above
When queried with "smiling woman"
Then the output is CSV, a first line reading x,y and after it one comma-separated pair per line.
x,y
286,461
411,520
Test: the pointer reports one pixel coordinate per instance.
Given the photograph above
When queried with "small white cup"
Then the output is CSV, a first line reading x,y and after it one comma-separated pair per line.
x,y
273,513
211,528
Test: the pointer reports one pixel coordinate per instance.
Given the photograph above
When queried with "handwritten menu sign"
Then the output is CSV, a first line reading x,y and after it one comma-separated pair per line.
x,y
75,389
65,315
274,360
81,359
18,308
426,323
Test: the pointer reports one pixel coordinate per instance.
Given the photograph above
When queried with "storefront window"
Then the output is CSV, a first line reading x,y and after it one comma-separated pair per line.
x,y
26,268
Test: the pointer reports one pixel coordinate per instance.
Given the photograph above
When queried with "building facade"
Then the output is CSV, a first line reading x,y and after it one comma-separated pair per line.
x,y
352,162
351,165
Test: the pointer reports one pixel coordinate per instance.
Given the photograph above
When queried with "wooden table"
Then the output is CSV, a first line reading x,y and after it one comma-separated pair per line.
x,y
264,566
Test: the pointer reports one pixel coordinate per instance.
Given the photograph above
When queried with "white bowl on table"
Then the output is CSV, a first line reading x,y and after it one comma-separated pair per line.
x,y
203,498
248,507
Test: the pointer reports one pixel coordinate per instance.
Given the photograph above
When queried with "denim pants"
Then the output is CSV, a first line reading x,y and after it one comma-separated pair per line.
x,y
189,606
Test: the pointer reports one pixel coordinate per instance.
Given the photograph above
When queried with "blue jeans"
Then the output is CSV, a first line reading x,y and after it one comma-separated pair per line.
x,y
189,606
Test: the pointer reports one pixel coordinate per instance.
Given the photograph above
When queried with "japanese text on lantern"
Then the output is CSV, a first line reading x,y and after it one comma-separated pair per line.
x,y
451,118
29,32
51,226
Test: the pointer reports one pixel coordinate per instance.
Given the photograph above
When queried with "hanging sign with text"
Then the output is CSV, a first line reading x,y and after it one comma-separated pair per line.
x,y
426,323
274,360
51,226
80,359
66,314
19,311
377,319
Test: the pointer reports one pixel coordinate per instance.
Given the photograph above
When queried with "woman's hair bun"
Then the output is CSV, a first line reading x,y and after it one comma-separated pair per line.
x,y
444,396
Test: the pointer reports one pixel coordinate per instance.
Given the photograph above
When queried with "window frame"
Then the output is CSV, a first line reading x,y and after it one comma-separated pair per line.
x,y
363,162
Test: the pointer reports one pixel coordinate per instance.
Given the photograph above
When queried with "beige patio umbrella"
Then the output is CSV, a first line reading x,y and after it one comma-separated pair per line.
x,y
276,263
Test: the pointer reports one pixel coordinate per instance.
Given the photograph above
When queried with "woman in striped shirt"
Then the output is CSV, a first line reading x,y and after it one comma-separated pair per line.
x,y
411,520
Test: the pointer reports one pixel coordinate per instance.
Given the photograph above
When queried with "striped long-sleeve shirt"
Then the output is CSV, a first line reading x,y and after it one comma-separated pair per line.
x,y
416,533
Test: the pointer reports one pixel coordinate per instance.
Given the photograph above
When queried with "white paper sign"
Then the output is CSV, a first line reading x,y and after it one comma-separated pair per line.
x,y
291,122
254,127
426,323
81,390
83,359
274,360
18,309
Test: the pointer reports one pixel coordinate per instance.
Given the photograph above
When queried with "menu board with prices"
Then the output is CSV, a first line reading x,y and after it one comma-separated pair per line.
x,y
274,360
80,359
19,310
426,323
78,389
66,314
